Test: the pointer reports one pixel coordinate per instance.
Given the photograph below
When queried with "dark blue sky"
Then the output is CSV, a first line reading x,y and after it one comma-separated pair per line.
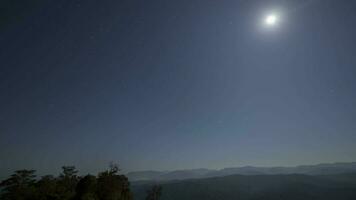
x,y
175,84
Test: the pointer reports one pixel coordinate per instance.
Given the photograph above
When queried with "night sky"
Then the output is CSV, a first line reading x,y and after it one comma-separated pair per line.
x,y
168,84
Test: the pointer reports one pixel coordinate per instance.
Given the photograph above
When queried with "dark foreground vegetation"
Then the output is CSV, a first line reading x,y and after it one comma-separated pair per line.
x,y
107,185
110,185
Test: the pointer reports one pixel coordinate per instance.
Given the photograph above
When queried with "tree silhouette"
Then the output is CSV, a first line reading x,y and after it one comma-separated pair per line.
x,y
112,186
47,188
107,185
67,182
19,186
86,188
68,172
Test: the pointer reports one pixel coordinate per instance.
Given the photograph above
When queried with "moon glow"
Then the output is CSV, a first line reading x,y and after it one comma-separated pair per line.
x,y
271,19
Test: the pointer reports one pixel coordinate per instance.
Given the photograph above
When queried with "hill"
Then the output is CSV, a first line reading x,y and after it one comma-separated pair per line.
x,y
320,169
256,187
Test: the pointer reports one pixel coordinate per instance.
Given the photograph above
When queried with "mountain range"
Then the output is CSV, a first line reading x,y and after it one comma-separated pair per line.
x,y
320,169
256,187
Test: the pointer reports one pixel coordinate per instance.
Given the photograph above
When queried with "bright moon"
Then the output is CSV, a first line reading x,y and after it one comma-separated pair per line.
x,y
271,19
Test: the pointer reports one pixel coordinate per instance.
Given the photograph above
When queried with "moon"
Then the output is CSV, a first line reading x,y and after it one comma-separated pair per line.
x,y
271,20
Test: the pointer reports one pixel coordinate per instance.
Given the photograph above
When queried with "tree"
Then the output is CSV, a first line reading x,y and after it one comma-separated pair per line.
x,y
47,188
108,185
114,168
86,188
68,172
112,186
154,193
20,186
67,182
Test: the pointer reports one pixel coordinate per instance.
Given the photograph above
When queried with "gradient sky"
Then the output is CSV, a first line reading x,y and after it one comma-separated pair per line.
x,y
175,84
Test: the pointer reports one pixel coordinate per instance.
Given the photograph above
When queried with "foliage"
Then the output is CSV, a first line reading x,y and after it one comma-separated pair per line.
x,y
47,188
112,186
86,188
67,182
107,185
19,186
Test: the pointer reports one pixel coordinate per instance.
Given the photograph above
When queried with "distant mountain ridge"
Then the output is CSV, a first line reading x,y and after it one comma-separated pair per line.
x,y
319,169
257,187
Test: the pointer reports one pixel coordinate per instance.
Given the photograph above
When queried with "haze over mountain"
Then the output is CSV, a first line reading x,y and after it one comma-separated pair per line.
x,y
257,187
320,169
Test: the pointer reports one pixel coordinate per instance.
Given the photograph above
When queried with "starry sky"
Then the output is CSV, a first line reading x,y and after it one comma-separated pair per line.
x,y
172,84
